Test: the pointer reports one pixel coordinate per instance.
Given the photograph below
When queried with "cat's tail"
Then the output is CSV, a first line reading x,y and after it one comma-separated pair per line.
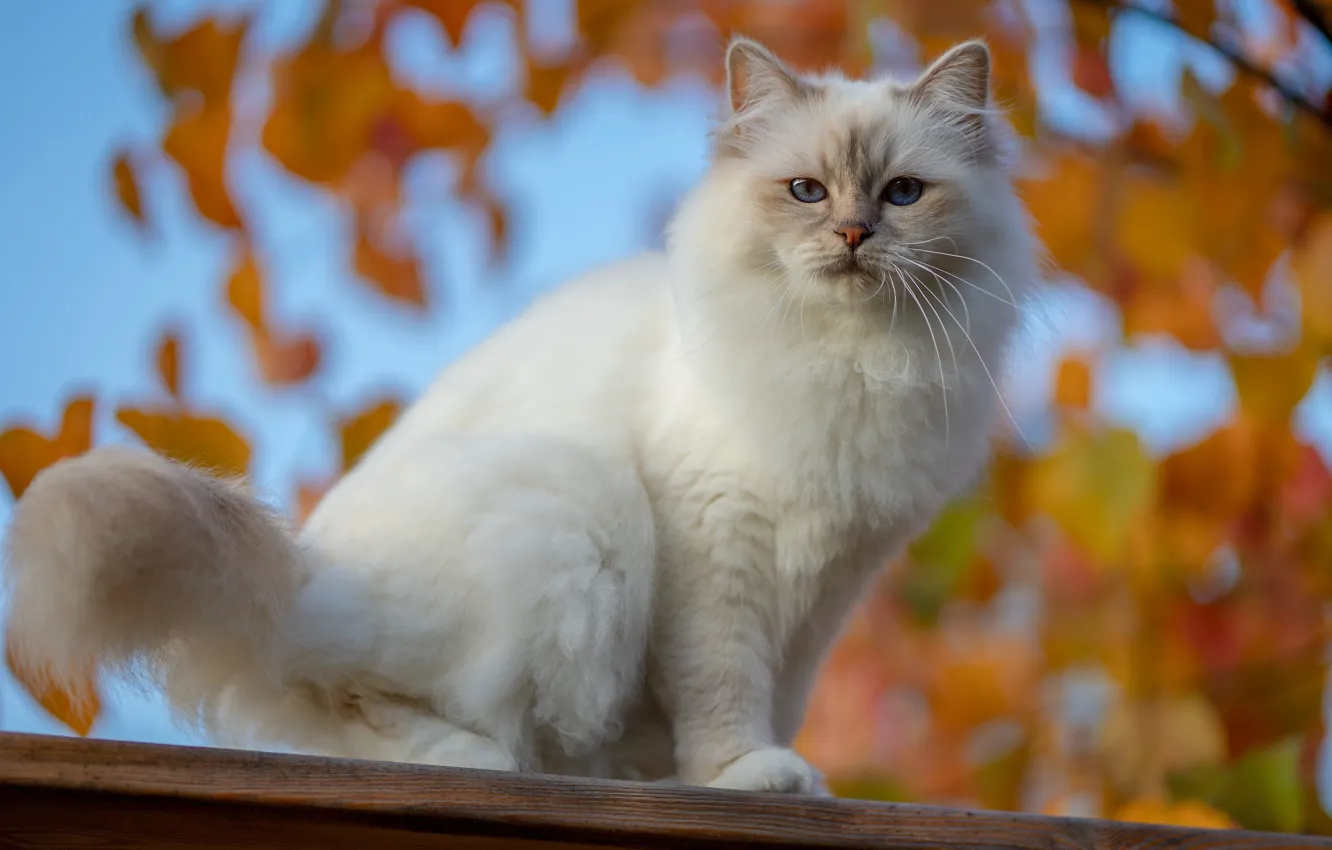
x,y
121,561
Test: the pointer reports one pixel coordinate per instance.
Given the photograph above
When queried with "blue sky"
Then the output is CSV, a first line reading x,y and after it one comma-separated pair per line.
x,y
83,296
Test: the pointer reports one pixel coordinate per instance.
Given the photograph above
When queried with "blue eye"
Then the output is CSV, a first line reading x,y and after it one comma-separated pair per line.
x,y
808,191
902,191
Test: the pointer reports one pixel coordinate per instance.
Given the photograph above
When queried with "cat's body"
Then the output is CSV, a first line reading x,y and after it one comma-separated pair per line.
x,y
618,537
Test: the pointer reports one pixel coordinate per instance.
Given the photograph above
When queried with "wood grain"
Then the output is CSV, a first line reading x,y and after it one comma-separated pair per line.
x,y
65,792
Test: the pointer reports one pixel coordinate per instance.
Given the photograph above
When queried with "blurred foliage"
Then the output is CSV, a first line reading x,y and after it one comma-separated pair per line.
x,y
1097,630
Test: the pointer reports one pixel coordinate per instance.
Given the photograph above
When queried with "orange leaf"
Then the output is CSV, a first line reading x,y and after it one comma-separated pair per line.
x,y
245,291
1193,813
397,276
77,708
200,441
1179,304
308,495
451,14
360,431
168,363
1312,268
545,83
127,186
287,360
201,59
1064,203
1091,72
24,452
1073,382
197,141
1270,386
326,104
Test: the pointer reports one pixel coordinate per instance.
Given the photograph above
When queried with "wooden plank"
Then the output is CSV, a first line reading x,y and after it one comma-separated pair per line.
x,y
65,792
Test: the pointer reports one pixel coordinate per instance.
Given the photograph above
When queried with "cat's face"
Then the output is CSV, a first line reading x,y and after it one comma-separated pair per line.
x,y
850,190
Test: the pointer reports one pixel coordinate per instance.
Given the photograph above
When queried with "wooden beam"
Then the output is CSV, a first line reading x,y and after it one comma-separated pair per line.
x,y
67,792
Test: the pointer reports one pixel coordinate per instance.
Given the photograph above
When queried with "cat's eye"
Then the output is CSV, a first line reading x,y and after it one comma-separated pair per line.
x,y
808,191
902,191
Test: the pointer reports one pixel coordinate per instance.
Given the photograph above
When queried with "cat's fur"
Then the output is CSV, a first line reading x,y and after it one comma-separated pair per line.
x,y
617,538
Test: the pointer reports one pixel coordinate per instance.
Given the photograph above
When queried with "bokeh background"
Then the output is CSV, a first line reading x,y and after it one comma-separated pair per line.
x,y
247,233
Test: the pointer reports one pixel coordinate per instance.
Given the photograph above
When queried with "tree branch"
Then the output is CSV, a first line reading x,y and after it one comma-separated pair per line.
x,y
1315,17
1235,57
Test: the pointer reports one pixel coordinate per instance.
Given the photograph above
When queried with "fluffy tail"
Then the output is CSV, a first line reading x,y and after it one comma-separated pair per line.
x,y
122,561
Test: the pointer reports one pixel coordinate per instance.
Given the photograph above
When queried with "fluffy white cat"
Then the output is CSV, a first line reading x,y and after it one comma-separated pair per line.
x,y
617,538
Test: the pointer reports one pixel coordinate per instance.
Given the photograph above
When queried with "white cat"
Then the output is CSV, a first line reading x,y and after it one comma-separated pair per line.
x,y
617,538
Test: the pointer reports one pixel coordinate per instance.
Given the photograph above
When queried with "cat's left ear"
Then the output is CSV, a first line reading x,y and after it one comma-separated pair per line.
x,y
756,77
959,78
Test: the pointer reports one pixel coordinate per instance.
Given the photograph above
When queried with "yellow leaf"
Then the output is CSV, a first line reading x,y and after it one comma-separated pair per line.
x,y
1142,743
197,141
77,707
1270,386
1156,227
1312,268
1098,486
201,441
1195,813
127,186
360,431
24,452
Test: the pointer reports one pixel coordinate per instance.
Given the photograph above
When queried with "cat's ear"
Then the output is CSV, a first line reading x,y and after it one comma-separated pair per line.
x,y
755,76
959,78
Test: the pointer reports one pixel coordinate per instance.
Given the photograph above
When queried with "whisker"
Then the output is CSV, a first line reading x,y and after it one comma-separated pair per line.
x,y
1012,302
966,311
997,393
937,353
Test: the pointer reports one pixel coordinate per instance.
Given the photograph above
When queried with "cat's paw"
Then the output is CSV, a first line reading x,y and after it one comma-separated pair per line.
x,y
775,769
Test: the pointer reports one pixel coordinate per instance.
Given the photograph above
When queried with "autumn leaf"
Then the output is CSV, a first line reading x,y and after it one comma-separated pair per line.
x,y
197,141
1270,386
1312,269
168,363
308,496
201,60
77,706
1073,382
327,103
1066,203
245,291
451,14
24,452
1099,485
360,431
1180,813
545,83
287,360
127,187
396,275
203,441
284,357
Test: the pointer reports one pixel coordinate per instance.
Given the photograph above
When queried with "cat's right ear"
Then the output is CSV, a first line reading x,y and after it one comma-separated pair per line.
x,y
756,77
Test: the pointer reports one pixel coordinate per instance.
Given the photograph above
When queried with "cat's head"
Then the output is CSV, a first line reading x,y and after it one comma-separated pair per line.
x,y
858,194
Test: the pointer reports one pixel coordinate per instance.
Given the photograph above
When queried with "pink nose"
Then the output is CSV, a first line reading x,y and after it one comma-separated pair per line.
x,y
854,233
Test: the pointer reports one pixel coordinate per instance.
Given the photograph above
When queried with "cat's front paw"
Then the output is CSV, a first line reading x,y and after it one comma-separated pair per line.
x,y
771,769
